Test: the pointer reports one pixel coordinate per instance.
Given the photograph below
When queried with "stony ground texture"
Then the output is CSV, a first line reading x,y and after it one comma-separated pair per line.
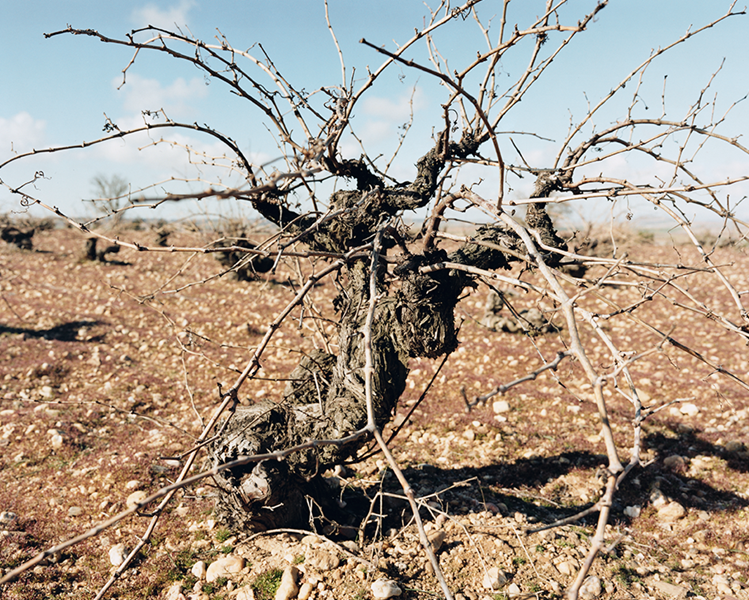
x,y
108,371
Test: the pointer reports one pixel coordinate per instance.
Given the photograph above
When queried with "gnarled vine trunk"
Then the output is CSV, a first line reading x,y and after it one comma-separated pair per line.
x,y
325,400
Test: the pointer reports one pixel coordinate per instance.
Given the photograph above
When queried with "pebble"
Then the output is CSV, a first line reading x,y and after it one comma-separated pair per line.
x,y
175,592
734,446
591,588
501,406
56,441
321,560
657,498
311,540
306,590
672,511
436,539
670,590
117,554
132,484
224,567
75,511
245,593
385,588
199,570
674,462
567,567
494,579
288,588
513,590
689,409
633,511
135,498
8,520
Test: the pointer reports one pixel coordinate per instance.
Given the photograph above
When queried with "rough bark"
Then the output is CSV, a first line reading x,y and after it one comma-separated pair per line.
x,y
325,399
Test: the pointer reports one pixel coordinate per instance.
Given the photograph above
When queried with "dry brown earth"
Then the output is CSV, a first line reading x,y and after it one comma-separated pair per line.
x,y
97,386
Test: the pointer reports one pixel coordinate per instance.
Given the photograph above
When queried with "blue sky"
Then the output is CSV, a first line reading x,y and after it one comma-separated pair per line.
x,y
57,90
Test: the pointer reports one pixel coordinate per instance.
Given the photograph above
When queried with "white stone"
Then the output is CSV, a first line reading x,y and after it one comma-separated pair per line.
x,y
75,511
689,409
385,588
311,540
670,590
494,579
199,570
671,512
245,593
591,588
56,441
175,592
513,590
306,590
224,567
633,511
132,484
117,554
568,567
135,498
501,406
288,588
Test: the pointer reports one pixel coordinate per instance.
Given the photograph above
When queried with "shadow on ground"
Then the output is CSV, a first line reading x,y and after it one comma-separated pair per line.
x,y
65,332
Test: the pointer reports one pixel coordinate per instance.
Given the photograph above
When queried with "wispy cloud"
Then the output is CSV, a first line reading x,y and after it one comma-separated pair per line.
x,y
142,93
151,14
20,133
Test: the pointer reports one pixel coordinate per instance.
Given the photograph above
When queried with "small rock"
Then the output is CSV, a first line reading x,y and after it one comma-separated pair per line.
x,y
135,498
689,409
8,520
633,511
288,588
568,567
670,590
117,554
385,588
591,588
56,441
436,539
672,511
494,579
224,567
132,484
469,434
513,590
306,590
501,406
657,498
311,540
321,560
245,593
674,462
75,511
175,592
734,446
199,570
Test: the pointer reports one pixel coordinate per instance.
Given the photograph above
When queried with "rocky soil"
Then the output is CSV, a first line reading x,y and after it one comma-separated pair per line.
x,y
109,370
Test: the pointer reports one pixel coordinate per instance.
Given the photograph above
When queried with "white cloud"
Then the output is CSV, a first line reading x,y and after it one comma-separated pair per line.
x,y
20,133
167,18
381,117
142,93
